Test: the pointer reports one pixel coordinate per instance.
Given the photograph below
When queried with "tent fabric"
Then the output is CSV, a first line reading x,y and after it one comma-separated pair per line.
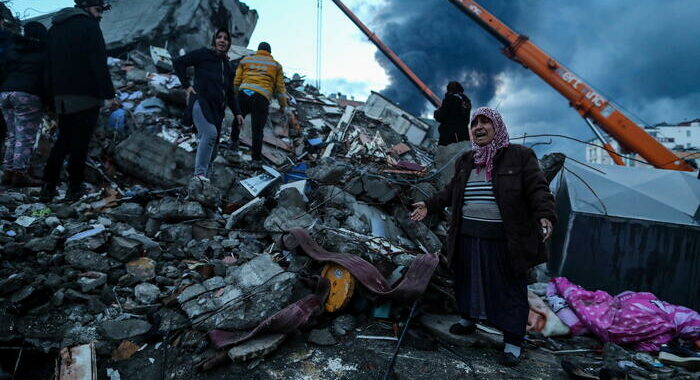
x,y
640,193
628,228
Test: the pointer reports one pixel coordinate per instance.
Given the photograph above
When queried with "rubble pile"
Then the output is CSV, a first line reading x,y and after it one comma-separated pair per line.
x,y
153,254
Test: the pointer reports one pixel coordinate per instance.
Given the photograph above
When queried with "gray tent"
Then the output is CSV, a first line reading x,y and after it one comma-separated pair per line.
x,y
628,228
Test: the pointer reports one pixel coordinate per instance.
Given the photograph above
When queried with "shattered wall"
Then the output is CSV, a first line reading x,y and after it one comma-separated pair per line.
x,y
188,24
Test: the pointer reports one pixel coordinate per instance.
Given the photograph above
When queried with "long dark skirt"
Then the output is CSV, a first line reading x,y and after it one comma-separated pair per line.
x,y
486,288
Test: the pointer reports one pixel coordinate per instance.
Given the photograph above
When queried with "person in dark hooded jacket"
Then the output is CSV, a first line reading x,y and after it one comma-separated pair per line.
x,y
453,115
22,100
208,97
80,84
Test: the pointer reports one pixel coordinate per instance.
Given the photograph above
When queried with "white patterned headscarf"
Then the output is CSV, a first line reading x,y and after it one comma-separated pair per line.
x,y
483,155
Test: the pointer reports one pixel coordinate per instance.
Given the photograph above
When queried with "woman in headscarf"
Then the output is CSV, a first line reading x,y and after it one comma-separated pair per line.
x,y
502,213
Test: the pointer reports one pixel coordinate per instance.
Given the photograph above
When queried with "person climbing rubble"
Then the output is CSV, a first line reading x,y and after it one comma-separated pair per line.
x,y
498,190
208,97
80,83
258,79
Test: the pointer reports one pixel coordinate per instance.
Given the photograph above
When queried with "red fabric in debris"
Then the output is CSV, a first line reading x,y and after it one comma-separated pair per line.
x,y
412,285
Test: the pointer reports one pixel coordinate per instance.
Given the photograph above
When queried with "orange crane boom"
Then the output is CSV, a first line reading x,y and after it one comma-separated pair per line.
x,y
422,87
590,104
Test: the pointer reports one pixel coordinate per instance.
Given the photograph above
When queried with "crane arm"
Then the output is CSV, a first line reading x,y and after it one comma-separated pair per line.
x,y
582,97
422,87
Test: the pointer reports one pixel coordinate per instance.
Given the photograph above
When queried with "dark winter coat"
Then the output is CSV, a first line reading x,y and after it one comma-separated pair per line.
x,y
453,116
213,81
523,198
78,57
26,68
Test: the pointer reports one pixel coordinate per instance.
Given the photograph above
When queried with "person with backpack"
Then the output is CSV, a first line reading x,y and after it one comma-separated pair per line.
x,y
259,78
22,100
453,115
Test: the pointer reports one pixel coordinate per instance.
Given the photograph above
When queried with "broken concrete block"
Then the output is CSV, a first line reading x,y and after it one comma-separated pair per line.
x,y
322,337
336,197
256,347
357,223
291,198
343,325
171,320
282,219
254,272
146,293
128,212
12,283
89,261
91,239
90,281
143,269
249,214
174,209
38,244
191,292
418,231
378,189
52,221
327,172
272,289
137,76
156,161
124,249
203,192
125,329
180,234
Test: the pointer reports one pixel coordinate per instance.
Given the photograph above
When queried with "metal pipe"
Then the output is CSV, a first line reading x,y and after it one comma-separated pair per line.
x,y
606,145
422,87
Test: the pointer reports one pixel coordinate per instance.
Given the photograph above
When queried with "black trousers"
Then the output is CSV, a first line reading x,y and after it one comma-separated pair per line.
x,y
74,134
257,106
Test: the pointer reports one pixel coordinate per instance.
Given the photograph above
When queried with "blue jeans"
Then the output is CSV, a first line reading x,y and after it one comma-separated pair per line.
x,y
208,142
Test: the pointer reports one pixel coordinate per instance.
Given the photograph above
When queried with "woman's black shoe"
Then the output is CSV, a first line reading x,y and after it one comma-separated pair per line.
x,y
509,360
460,329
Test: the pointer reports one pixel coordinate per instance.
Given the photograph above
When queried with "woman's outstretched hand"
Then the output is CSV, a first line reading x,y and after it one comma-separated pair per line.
x,y
547,229
420,211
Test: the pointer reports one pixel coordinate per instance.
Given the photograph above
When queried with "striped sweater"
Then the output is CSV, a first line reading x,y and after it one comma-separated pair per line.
x,y
480,214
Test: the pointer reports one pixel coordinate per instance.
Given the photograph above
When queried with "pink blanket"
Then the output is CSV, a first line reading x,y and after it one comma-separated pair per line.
x,y
639,320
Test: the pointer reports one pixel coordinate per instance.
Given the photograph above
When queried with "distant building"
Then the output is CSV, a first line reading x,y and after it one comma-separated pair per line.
x,y
343,100
415,129
682,136
683,139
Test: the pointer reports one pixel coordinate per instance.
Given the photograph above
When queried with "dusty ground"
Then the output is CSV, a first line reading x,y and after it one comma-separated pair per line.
x,y
351,358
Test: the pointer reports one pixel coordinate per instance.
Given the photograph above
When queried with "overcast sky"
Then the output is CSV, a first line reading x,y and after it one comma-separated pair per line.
x,y
642,54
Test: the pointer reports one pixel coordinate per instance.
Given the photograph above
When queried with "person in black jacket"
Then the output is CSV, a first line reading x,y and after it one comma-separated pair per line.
x,y
453,115
22,99
80,83
208,97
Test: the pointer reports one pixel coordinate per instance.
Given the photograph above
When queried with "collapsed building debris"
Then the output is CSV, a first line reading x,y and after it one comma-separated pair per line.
x,y
136,25
305,269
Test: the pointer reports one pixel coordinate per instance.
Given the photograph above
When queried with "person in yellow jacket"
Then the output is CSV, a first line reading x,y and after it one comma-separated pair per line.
x,y
259,78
